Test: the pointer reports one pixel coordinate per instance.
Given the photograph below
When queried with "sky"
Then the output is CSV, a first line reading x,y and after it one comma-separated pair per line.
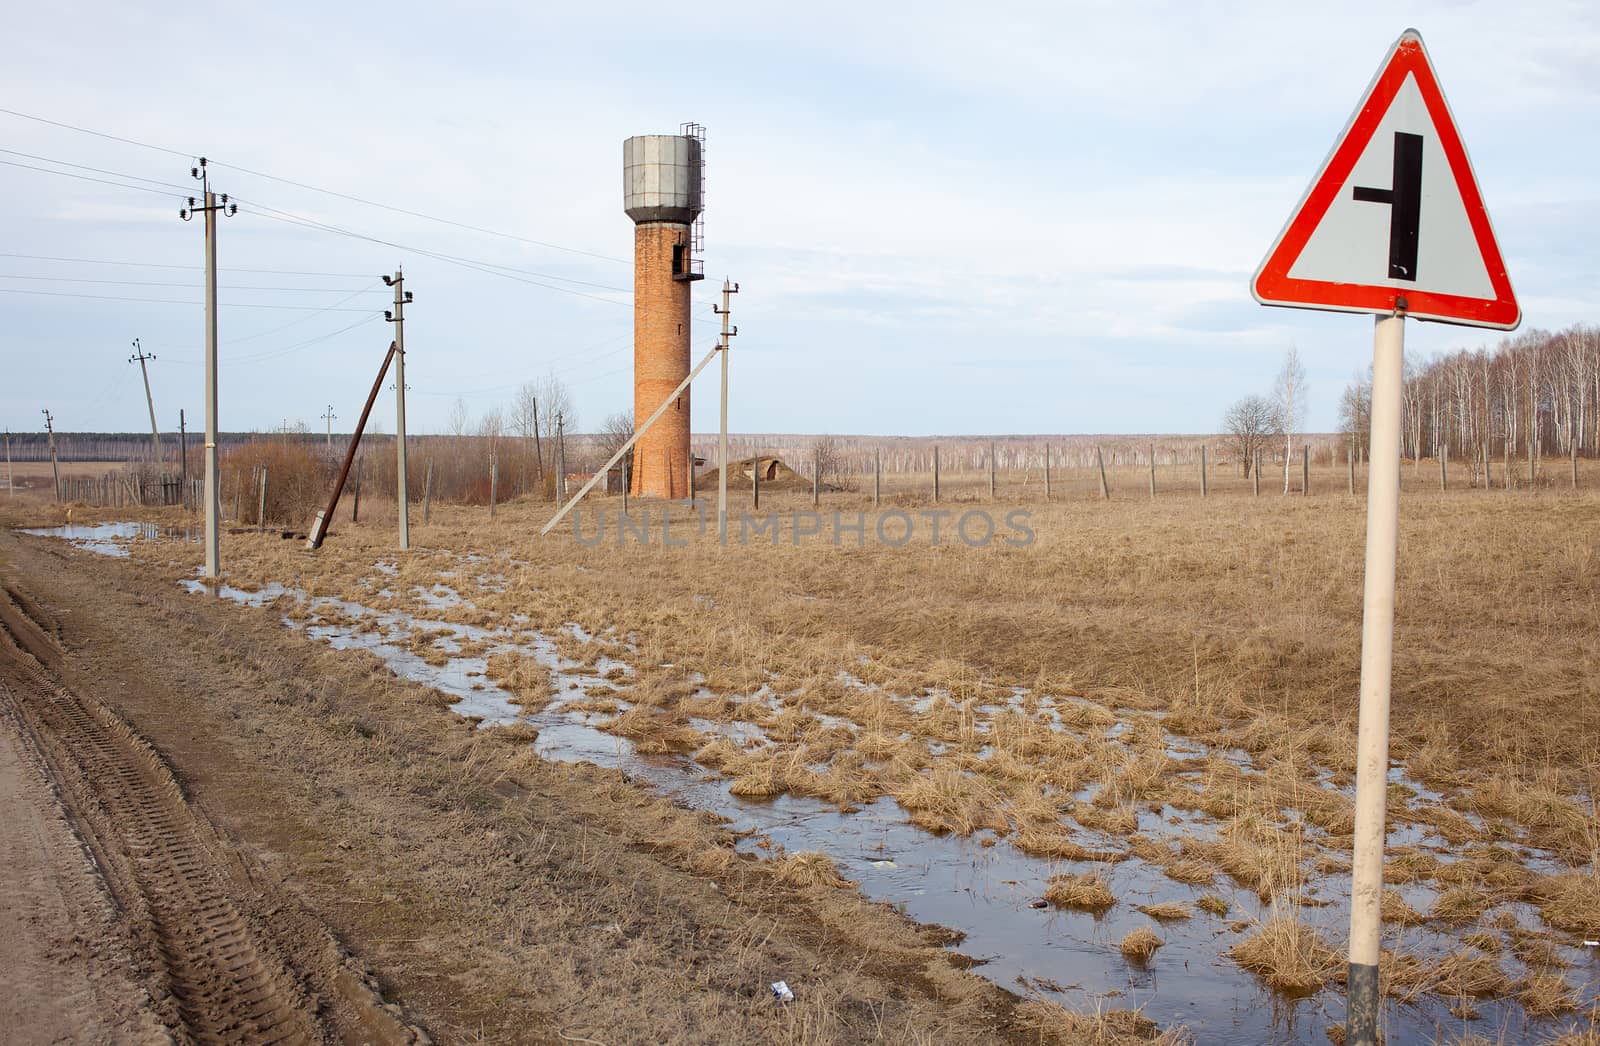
x,y
944,218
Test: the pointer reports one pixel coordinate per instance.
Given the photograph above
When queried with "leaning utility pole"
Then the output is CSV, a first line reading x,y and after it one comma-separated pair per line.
x,y
55,470
11,487
140,356
728,289
402,297
211,209
328,417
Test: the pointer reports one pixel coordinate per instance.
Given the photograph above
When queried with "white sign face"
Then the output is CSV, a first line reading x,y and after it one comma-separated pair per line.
x,y
1394,221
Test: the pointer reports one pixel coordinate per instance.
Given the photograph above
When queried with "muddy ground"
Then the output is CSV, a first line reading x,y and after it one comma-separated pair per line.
x,y
232,834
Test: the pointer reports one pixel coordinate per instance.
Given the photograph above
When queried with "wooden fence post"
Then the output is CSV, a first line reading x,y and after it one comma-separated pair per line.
x,y
1100,460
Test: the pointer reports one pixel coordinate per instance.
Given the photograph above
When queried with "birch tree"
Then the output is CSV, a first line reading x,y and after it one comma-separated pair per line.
x,y
1289,397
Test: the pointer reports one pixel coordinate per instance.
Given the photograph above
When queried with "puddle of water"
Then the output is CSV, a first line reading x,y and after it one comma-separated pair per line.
x,y
111,539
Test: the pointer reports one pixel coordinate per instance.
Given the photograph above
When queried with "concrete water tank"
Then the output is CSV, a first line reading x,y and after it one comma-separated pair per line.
x,y
661,178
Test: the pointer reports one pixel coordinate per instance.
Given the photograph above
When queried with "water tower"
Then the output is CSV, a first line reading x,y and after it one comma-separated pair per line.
x,y
663,179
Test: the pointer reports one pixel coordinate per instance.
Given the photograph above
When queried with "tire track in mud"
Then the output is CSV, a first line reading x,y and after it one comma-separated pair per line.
x,y
225,989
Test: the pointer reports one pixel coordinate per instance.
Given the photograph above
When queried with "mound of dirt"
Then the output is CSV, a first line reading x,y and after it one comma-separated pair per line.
x,y
775,476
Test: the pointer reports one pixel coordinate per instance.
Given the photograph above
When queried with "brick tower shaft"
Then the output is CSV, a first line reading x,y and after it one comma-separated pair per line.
x,y
660,358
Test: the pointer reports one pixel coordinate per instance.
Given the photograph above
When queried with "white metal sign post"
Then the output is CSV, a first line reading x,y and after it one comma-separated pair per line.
x,y
1393,224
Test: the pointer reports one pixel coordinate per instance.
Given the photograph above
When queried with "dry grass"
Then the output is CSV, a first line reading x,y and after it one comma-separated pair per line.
x,y
1288,955
1394,909
1211,904
810,869
1168,911
1544,994
1167,607
1463,974
1140,945
1047,1022
1086,892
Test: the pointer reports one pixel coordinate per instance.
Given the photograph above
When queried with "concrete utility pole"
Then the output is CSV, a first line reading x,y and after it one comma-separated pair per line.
x,y
328,417
402,298
728,289
49,426
213,206
140,356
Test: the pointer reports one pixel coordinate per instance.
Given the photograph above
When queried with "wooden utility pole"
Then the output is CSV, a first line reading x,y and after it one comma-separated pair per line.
x,y
427,492
325,517
1256,472
755,481
1305,470
816,475
936,474
55,470
991,471
11,487
494,484
183,446
1444,467
1203,470
261,501
877,474
1047,472
1100,461
140,356
212,207
1350,460
1152,471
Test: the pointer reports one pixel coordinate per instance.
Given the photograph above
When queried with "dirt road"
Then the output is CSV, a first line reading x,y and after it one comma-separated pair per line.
x,y
281,843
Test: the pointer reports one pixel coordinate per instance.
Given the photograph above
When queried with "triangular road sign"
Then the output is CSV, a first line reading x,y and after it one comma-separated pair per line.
x,y
1394,221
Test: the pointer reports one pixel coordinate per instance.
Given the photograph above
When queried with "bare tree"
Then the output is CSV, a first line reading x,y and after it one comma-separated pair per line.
x,y
1289,396
617,430
555,407
525,420
1251,422
827,456
1355,412
457,422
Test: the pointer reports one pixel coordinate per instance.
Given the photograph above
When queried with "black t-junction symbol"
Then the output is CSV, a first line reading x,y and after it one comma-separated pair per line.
x,y
1405,205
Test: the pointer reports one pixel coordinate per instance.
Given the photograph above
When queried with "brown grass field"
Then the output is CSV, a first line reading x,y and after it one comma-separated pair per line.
x,y
1194,658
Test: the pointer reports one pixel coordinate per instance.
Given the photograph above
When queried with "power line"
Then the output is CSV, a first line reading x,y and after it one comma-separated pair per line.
x,y
86,178
158,283
162,265
168,301
319,189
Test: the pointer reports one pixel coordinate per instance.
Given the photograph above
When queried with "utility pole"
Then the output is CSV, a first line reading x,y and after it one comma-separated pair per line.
x,y
183,446
140,356
402,297
728,289
328,417
49,426
561,459
211,209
